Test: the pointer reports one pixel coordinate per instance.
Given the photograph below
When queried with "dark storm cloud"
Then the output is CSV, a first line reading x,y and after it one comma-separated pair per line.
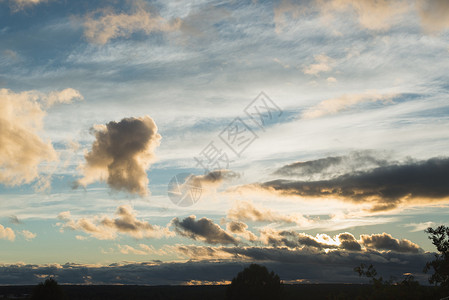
x,y
204,229
385,187
293,239
290,239
121,154
236,226
343,241
348,242
335,266
213,179
14,220
385,241
333,166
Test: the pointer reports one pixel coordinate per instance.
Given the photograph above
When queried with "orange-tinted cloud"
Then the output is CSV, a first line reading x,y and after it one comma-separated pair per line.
x,y
7,233
110,25
106,228
335,105
22,149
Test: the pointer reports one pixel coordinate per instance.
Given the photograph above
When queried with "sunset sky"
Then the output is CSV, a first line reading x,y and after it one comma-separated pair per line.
x,y
325,125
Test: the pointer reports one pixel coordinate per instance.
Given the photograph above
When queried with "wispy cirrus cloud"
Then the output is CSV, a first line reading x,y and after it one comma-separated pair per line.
x,y
376,16
109,24
247,211
415,227
335,105
142,249
323,63
17,5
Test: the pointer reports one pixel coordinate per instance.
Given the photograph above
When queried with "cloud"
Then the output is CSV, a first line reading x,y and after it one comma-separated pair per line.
x,y
334,166
22,149
109,25
7,233
283,10
420,226
348,242
434,14
315,263
290,264
246,211
212,180
323,64
372,15
17,5
321,242
202,23
384,187
293,239
65,96
241,229
195,252
335,105
204,230
106,228
14,220
385,241
121,154
142,250
28,235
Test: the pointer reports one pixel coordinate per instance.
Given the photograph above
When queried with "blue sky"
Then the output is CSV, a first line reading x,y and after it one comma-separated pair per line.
x,y
104,102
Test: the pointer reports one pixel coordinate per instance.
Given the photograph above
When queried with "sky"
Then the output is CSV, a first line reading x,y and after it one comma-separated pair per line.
x,y
176,142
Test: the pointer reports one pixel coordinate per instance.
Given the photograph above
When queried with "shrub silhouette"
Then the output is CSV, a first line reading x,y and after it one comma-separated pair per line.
x,y
48,290
440,238
255,282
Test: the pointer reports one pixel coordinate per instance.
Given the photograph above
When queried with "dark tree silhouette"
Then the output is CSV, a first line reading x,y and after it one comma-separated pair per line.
x,y
255,282
48,290
370,273
440,266
408,288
